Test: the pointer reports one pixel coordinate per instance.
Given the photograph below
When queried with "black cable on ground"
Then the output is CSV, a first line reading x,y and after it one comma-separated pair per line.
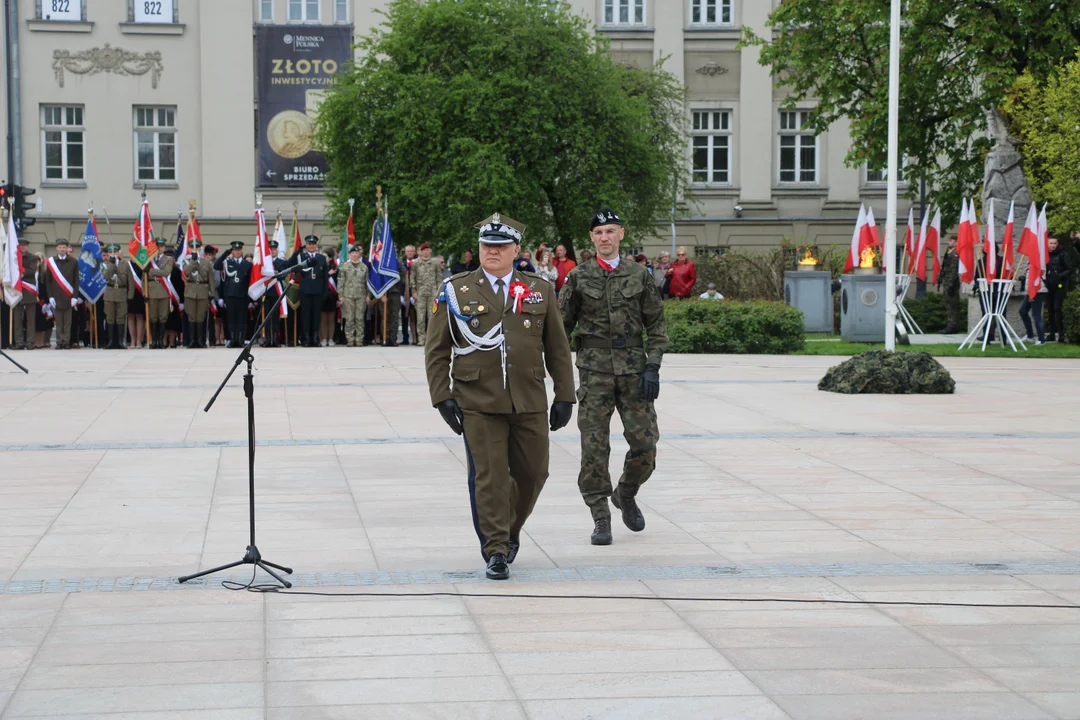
x,y
277,589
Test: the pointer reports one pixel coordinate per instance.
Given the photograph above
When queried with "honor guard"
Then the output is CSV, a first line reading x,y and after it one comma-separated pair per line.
x,y
160,272
612,304
353,288
199,292
26,310
119,291
270,298
236,275
425,277
62,287
492,333
314,286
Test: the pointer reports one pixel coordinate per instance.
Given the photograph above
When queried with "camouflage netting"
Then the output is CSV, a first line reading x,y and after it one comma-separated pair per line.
x,y
899,373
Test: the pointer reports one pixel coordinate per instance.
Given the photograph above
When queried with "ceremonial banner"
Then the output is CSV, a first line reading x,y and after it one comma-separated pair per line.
x,y
383,270
91,278
294,66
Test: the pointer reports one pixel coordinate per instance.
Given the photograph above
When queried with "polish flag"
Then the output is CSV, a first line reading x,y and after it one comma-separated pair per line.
x,y
919,256
965,245
1029,246
262,260
990,245
1008,256
1044,238
856,246
909,238
872,238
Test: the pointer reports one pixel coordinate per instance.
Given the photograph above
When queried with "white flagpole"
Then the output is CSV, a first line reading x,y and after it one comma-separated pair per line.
x,y
890,214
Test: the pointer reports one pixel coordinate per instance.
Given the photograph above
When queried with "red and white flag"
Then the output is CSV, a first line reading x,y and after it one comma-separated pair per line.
x,y
919,256
854,251
142,246
279,238
909,238
965,245
990,245
262,260
1029,247
1008,255
1044,238
13,267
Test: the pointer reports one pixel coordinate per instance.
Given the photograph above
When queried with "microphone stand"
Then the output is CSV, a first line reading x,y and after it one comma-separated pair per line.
x,y
252,556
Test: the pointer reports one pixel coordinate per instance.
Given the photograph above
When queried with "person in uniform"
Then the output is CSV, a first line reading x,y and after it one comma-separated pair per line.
x,y
314,286
425,278
353,288
270,297
612,303
236,275
62,288
119,290
500,327
404,300
948,282
199,292
26,311
159,271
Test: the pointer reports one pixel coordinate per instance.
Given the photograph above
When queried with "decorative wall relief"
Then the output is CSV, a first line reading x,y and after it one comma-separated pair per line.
x,y
711,69
110,60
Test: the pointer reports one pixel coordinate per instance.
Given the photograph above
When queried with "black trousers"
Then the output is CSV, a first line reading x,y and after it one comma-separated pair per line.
x,y
273,322
310,307
236,307
1055,296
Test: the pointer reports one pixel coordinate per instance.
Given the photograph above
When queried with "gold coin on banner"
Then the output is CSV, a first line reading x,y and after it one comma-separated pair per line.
x,y
289,134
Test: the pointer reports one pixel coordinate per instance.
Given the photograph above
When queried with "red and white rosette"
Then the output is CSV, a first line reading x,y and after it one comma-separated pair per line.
x,y
518,291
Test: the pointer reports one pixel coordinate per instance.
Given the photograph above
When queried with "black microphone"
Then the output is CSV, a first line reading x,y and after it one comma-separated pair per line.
x,y
290,270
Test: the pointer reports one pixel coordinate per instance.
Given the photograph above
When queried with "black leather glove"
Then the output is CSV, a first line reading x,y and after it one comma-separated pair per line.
x,y
451,415
649,383
561,412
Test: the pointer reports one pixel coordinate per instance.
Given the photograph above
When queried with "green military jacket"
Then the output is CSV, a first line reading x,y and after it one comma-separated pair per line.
x,y
165,264
119,287
352,280
949,279
534,339
30,279
199,279
425,277
615,308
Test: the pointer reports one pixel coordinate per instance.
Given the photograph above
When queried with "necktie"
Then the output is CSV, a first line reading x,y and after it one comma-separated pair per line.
x,y
502,290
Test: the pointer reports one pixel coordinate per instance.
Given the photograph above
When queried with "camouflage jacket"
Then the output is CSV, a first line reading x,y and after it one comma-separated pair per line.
x,y
949,278
352,280
619,306
425,278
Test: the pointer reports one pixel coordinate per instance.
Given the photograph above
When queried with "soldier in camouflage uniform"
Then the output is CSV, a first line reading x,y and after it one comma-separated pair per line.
x,y
612,304
948,283
425,279
353,289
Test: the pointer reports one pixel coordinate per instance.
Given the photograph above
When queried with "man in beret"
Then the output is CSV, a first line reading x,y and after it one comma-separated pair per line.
x,y
501,328
62,289
612,303
425,278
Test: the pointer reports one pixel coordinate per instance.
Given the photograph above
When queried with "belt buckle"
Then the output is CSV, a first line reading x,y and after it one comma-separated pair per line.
x,y
618,343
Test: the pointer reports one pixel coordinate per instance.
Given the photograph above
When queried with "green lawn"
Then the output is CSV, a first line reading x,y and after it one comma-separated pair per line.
x,y
832,345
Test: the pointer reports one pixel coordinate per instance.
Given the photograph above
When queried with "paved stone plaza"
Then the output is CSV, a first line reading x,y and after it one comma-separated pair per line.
x,y
114,482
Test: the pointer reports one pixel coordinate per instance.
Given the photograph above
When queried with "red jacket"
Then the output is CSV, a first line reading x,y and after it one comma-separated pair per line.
x,y
683,276
563,267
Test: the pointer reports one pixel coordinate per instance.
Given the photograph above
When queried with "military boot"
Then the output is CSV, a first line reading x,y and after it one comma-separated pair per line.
x,y
631,514
601,534
515,545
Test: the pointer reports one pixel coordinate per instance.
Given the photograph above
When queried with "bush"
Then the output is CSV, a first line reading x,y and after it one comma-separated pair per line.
x,y
728,326
1071,316
928,312
743,275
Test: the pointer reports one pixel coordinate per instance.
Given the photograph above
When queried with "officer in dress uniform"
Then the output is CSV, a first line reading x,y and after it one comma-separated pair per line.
x,y
613,303
236,275
119,291
160,301
269,298
199,292
314,286
500,327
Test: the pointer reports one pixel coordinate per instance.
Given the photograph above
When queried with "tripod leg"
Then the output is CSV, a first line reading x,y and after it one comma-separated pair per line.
x,y
274,575
282,568
210,572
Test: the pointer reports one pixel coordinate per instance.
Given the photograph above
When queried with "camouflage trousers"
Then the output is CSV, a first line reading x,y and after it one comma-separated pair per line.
x,y
599,395
423,316
953,312
354,309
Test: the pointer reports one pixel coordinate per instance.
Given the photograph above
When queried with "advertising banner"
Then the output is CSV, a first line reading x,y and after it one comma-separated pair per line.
x,y
295,65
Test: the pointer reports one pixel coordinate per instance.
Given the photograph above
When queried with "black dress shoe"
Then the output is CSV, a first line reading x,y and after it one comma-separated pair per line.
x,y
631,514
497,569
601,534
515,545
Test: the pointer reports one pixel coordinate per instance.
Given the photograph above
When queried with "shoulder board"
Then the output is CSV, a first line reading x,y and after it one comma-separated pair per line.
x,y
526,273
460,275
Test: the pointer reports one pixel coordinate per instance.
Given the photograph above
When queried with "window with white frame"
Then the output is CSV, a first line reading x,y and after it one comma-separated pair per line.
x,y
880,177
63,139
153,11
266,11
155,144
798,148
711,133
624,12
304,11
710,12
61,10
341,11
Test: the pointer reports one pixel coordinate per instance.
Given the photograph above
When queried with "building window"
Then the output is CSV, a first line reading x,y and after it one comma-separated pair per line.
x,y
710,12
880,177
624,12
266,11
155,144
63,140
798,148
341,11
304,11
711,134
61,10
153,11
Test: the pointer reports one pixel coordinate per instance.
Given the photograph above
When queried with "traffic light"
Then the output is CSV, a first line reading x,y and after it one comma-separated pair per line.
x,y
21,206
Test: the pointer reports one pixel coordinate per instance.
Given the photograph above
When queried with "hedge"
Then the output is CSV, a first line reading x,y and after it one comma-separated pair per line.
x,y
1070,311
729,326
929,312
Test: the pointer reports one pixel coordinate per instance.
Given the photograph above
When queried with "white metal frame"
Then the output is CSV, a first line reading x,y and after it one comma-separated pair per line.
x,y
996,314
64,128
903,282
157,131
798,132
712,133
631,6
720,6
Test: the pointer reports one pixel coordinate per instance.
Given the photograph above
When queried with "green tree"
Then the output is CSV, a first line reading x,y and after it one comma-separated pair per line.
x,y
461,108
1046,117
958,60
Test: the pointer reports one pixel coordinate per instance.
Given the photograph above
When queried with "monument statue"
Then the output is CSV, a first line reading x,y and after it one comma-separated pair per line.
x,y
1003,176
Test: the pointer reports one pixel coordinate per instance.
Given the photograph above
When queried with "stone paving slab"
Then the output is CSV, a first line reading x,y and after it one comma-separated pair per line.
x,y
765,488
